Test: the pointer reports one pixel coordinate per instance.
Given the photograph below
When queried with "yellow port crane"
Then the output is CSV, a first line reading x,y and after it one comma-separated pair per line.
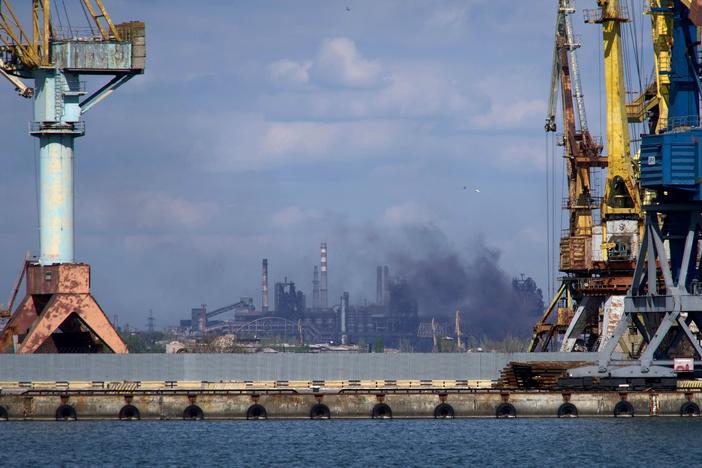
x,y
607,262
616,241
621,207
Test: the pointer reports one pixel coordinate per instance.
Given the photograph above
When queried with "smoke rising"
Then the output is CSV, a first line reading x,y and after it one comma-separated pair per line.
x,y
444,279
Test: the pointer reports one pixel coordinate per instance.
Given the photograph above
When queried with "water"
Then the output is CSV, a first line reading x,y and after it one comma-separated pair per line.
x,y
367,443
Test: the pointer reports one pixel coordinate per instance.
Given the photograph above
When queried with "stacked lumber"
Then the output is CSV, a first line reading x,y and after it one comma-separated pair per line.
x,y
534,375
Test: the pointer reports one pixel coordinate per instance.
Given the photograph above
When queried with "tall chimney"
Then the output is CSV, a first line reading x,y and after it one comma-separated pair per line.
x,y
379,286
344,313
386,285
264,286
323,299
315,288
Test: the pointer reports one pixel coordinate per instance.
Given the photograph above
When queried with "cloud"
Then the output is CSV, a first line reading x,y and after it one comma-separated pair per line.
x,y
294,216
340,64
406,214
416,91
514,114
146,210
250,142
448,18
288,73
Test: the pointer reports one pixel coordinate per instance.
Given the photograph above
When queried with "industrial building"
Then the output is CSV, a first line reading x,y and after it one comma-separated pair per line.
x,y
392,318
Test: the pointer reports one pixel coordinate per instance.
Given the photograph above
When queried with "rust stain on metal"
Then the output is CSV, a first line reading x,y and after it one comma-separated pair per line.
x,y
67,287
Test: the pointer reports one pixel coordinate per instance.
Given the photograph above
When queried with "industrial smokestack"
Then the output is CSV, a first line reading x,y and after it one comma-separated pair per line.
x,y
344,313
315,288
379,286
264,286
386,285
323,299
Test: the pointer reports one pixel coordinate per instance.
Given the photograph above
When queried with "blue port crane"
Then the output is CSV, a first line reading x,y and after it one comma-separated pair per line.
x,y
47,64
659,335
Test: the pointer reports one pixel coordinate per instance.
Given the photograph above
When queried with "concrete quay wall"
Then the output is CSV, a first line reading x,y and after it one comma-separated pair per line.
x,y
359,404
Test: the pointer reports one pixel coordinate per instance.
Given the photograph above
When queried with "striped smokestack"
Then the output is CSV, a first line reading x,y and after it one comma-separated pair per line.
x,y
323,298
264,286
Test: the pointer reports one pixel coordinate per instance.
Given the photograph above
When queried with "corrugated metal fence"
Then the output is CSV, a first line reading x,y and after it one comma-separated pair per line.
x,y
216,367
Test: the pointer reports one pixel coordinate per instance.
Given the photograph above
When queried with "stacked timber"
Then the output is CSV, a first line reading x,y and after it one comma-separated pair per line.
x,y
534,375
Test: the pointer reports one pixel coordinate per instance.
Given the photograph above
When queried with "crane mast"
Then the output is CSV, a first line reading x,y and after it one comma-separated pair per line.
x,y
581,154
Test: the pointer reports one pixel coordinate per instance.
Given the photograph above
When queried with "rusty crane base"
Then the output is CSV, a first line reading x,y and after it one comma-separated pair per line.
x,y
58,314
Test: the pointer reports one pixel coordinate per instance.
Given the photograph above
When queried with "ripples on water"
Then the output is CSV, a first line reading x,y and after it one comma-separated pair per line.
x,y
475,442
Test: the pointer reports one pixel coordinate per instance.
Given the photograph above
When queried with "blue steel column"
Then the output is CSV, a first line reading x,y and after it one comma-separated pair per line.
x,y
56,199
57,124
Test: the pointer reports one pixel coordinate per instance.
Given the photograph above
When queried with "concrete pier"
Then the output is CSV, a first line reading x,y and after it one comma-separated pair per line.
x,y
305,386
291,403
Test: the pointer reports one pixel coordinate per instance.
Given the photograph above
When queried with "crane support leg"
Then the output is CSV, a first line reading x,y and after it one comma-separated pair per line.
x,y
102,93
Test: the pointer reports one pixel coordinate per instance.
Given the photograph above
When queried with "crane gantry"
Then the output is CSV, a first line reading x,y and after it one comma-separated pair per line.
x,y
58,312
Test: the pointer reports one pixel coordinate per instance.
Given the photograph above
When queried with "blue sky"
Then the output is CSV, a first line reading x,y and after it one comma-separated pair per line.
x,y
262,128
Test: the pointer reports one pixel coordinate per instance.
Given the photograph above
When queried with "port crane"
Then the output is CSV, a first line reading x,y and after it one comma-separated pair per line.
x,y
597,259
582,153
46,63
659,335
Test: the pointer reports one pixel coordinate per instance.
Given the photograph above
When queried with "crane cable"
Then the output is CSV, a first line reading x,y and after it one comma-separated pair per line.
x,y
68,18
548,217
87,19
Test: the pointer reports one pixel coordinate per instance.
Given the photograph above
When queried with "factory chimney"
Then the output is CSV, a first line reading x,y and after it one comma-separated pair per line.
x,y
379,286
386,285
323,299
264,286
315,288
344,313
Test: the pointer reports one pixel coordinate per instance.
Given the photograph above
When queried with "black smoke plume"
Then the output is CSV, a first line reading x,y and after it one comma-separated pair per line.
x,y
442,279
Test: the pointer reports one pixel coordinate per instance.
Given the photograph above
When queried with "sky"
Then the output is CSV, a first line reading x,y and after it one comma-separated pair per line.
x,y
262,128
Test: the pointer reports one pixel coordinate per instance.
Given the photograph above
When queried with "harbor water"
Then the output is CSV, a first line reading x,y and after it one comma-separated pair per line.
x,y
364,443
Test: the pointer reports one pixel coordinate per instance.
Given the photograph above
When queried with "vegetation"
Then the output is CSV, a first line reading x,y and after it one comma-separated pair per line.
x,y
146,342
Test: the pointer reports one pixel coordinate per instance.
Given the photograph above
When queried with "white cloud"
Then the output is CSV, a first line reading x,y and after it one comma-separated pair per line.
x,y
339,63
288,73
146,210
451,17
516,114
156,209
414,91
245,142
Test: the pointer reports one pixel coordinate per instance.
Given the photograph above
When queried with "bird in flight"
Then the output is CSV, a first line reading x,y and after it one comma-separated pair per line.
x,y
476,190
348,8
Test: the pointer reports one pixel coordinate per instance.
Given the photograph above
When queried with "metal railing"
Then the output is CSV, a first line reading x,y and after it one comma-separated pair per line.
x,y
682,123
76,34
57,127
591,204
597,15
648,9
